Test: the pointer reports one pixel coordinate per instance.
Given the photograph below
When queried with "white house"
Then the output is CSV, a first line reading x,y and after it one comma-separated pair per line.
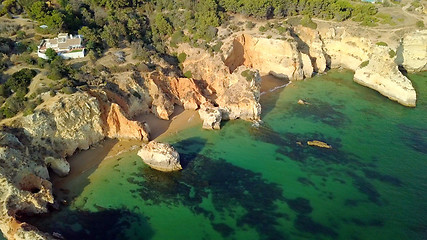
x,y
65,45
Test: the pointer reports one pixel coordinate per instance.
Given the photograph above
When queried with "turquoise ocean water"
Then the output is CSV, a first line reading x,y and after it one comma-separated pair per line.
x,y
244,182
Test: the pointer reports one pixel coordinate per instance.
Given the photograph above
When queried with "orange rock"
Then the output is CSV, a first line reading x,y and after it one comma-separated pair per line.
x,y
118,126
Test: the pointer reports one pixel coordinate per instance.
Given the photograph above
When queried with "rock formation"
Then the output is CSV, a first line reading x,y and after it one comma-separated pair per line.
x,y
414,51
160,156
59,166
211,117
275,56
383,75
320,144
24,188
66,123
118,126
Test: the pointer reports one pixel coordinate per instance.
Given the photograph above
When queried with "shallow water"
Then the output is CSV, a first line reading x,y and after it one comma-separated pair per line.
x,y
244,182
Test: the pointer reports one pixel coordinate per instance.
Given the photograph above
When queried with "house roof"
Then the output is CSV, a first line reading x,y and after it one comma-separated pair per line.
x,y
70,42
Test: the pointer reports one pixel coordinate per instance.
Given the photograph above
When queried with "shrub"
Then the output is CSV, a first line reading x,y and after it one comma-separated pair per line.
x,y
181,57
188,74
382,44
420,24
250,25
364,64
391,53
68,90
307,22
19,81
248,74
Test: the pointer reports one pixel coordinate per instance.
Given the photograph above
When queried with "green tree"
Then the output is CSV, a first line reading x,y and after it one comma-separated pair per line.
x,y
50,53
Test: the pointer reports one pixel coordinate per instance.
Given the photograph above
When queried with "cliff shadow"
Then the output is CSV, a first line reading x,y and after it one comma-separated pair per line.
x,y
102,224
82,165
159,126
189,149
270,85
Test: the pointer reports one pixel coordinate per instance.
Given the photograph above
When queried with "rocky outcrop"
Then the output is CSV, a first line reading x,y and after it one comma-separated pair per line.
x,y
211,117
383,75
310,43
160,156
66,123
414,51
187,92
24,188
274,56
345,50
118,126
59,166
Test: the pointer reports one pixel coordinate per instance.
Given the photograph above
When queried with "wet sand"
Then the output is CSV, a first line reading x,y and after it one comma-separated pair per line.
x,y
270,83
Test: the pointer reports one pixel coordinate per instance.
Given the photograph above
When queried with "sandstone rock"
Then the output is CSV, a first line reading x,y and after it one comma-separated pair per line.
x,y
118,126
414,51
66,123
211,117
312,45
347,51
307,67
187,92
162,105
59,166
22,190
274,56
160,156
320,144
383,75
302,102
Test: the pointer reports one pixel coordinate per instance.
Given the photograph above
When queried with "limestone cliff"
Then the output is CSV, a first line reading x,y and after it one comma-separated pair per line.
x,y
65,123
24,187
383,75
274,56
414,51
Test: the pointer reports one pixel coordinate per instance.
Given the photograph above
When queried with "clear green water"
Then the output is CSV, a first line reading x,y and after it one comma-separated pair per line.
x,y
244,182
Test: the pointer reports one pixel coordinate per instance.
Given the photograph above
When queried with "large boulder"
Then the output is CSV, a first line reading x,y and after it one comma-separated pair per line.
x,y
211,117
59,166
160,156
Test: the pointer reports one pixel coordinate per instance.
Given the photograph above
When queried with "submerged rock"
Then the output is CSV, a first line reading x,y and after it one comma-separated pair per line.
x,y
160,156
317,143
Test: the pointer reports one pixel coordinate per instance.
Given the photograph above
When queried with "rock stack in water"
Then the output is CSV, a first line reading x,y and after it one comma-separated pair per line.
x,y
160,156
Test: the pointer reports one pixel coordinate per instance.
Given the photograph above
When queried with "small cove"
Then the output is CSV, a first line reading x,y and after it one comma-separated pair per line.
x,y
244,182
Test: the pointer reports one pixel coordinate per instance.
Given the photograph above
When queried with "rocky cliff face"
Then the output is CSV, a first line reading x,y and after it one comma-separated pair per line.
x,y
414,51
66,123
24,186
383,75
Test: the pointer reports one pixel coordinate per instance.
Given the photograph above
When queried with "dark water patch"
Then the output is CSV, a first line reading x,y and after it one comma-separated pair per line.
x,y
306,182
230,188
223,229
365,187
294,146
381,177
305,223
415,138
104,225
300,205
367,223
321,111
